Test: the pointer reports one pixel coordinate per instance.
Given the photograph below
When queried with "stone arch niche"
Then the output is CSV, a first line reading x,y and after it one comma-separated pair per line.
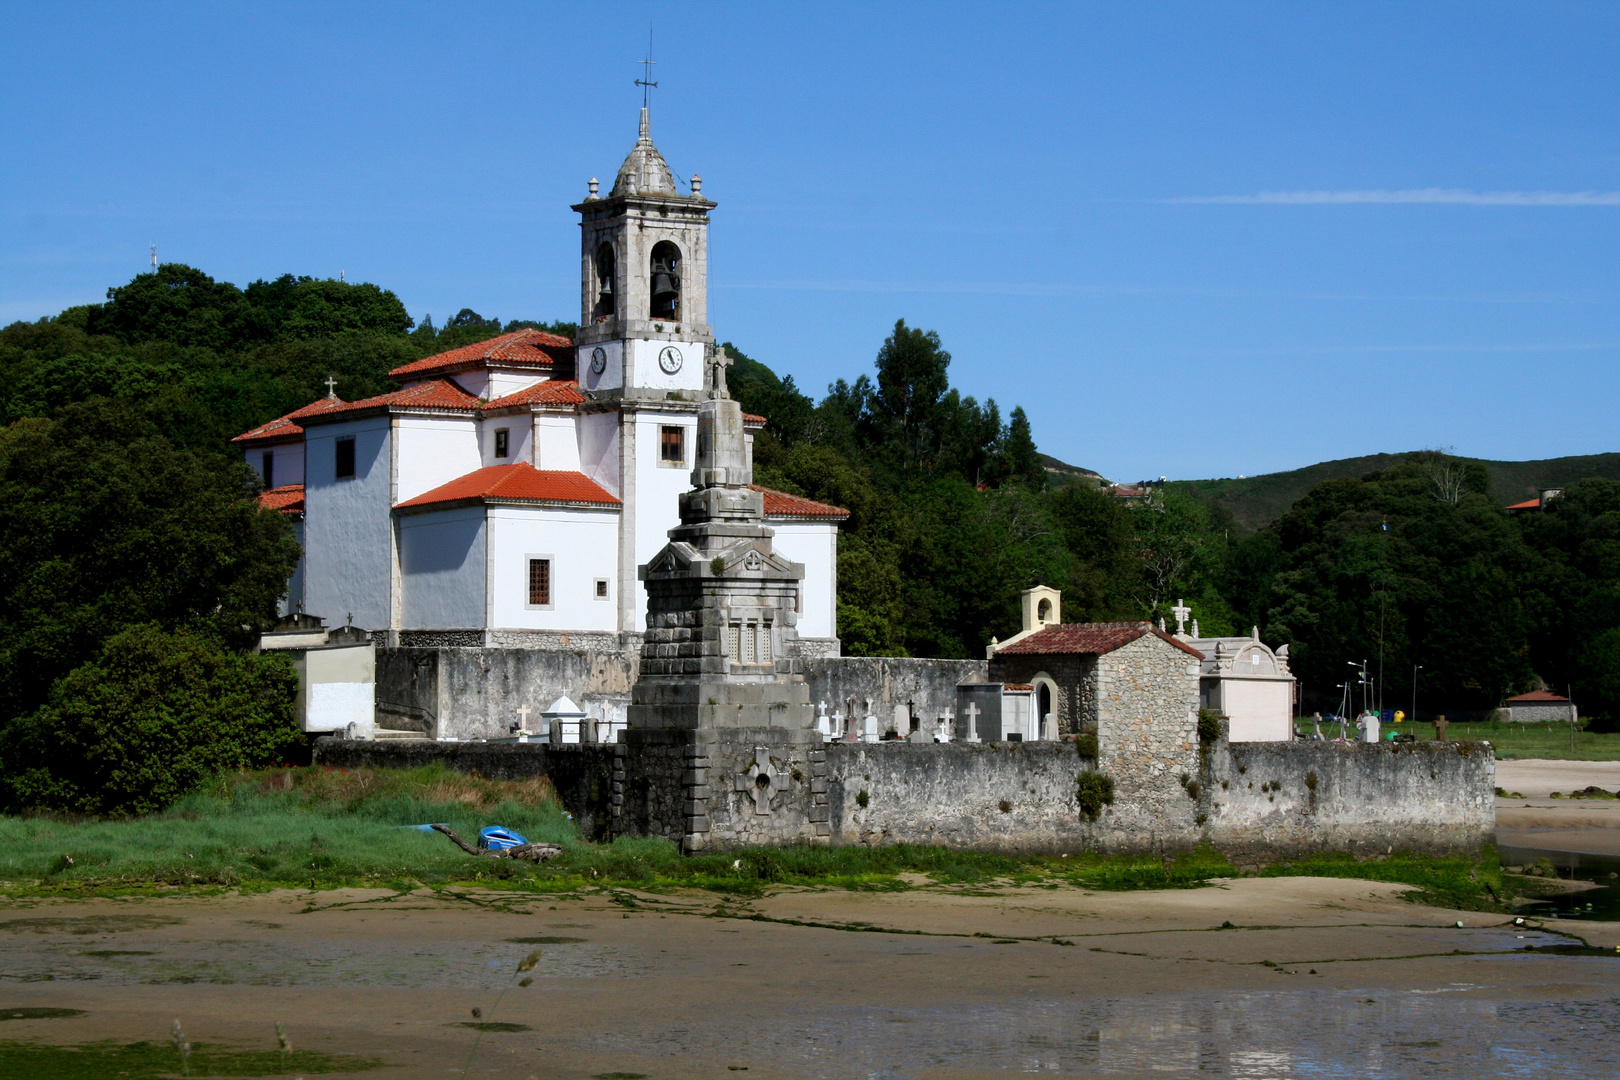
x,y
665,280
1046,701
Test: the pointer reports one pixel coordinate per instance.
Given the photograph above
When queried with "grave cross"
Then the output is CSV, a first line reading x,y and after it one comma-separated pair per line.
x,y
523,717
1181,611
760,781
972,711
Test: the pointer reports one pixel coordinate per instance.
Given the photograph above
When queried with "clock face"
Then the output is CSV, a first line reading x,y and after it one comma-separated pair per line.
x,y
599,360
670,359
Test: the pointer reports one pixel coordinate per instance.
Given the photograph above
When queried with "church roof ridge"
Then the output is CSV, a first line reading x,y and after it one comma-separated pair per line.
x,y
527,347
1089,639
779,504
644,172
550,392
427,394
287,428
520,483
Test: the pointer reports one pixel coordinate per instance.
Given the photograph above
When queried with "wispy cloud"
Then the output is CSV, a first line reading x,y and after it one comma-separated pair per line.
x,y
1414,196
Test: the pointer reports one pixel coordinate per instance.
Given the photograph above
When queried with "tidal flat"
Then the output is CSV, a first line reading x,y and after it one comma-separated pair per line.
x,y
1251,977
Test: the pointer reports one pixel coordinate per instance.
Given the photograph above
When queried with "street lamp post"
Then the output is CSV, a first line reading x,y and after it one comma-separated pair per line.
x,y
1415,669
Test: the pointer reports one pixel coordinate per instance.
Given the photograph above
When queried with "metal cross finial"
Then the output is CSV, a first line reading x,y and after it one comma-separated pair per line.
x,y
331,387
646,83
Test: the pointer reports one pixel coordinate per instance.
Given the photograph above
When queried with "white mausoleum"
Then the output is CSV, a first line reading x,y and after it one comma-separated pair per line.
x,y
506,494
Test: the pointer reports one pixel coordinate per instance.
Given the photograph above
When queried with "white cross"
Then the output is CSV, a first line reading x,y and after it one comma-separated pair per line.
x,y
1181,611
972,711
523,717
331,386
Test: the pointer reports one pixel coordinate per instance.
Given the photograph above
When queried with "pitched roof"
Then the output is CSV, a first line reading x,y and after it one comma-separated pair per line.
x,y
288,499
522,483
1536,697
1528,504
521,348
550,392
753,420
1088,638
428,394
779,504
285,428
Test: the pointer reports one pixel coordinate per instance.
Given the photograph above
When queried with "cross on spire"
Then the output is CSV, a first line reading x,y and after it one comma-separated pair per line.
x,y
645,82
331,387
1181,611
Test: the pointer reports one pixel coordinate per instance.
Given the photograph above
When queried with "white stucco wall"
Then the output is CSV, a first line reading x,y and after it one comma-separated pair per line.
x,y
658,488
288,467
348,554
442,562
502,383
599,449
816,546
645,372
582,546
519,438
1260,710
557,442
434,450
611,377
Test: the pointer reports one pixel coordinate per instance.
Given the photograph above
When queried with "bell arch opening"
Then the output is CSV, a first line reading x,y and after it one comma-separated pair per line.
x,y
606,298
1043,613
666,282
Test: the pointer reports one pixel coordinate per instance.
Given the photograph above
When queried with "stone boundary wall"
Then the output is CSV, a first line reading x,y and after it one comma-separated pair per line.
x,y
890,681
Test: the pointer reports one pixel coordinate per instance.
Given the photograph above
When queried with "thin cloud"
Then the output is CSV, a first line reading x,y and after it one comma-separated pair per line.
x,y
1415,196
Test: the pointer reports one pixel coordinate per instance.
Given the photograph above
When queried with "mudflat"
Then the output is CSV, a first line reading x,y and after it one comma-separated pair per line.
x,y
1251,978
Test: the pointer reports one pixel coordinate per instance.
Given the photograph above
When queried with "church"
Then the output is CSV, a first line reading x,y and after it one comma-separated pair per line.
x,y
505,495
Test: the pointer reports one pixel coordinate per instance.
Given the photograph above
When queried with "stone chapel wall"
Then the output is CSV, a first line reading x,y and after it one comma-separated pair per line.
x,y
1147,740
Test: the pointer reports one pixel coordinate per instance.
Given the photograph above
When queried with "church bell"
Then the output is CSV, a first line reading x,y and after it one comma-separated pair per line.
x,y
665,292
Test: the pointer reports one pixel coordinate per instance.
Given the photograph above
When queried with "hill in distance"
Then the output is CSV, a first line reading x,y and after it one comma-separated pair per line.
x,y
1256,501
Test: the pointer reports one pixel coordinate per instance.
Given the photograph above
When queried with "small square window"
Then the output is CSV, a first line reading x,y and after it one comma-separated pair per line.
x,y
672,446
501,435
269,470
539,582
345,459
601,588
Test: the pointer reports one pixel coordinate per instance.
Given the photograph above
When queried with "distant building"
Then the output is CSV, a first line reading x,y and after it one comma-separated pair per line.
x,y
1538,707
1538,503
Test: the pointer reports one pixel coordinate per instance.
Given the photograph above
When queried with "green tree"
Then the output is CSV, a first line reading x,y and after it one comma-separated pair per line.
x,y
911,380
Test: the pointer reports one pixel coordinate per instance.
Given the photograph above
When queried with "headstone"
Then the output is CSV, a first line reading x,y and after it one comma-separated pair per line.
x,y
973,721
1049,728
823,725
944,729
1440,728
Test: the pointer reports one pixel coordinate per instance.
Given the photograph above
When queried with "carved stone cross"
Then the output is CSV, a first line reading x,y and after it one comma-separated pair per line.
x,y
718,362
973,722
523,717
1182,612
761,781
331,387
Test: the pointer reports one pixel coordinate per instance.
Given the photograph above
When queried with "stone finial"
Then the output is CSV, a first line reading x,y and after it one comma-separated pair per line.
x,y
593,185
1195,632
697,184
1255,633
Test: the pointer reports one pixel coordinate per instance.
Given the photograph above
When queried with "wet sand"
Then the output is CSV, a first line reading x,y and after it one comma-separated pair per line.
x,y
1586,826
1317,977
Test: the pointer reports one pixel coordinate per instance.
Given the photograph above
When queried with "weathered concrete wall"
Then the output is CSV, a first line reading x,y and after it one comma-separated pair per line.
x,y
1275,799
582,775
928,685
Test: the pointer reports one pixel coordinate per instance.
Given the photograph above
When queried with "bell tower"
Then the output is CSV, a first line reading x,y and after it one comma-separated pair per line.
x,y
644,281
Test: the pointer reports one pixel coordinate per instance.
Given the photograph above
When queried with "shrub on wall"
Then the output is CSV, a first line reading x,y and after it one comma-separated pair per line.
x,y
152,716
1209,725
1093,791
1086,746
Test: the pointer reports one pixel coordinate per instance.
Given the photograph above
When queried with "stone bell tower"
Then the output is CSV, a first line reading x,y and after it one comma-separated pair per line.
x,y
721,744
644,284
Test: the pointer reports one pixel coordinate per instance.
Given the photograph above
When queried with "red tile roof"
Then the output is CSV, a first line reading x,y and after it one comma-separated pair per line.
x,y
521,482
286,428
550,392
753,420
428,394
289,498
1088,638
521,348
1528,504
1536,697
779,504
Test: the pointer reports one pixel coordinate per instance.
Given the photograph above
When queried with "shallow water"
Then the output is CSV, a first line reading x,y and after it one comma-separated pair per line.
x,y
1604,901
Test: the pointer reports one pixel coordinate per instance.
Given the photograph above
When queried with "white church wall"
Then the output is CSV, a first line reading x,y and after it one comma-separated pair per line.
x,y
519,433
475,382
502,383
286,466
442,564
348,532
658,489
646,371
816,546
583,548
611,377
434,450
556,440
599,449
1260,710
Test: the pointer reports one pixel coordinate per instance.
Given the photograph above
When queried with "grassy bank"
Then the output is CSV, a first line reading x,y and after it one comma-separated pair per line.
x,y
326,828
1528,740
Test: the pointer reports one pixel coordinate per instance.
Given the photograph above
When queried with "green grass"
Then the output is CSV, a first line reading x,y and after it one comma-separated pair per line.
x,y
1461,882
1525,740
111,1060
327,828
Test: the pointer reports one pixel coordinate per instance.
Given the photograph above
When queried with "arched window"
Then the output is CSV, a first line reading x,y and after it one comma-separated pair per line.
x,y
666,281
605,300
1043,613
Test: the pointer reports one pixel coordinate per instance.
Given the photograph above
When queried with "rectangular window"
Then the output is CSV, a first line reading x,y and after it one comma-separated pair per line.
x,y
672,446
601,588
345,458
748,643
539,582
734,643
500,441
764,651
269,469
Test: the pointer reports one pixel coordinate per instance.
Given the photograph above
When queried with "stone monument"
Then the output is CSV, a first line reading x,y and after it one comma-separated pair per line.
x,y
721,737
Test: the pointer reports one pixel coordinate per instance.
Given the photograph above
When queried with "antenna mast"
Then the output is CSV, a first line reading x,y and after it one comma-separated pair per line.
x,y
154,256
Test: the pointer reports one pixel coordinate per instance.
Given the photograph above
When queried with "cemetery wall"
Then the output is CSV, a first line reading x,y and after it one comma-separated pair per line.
x,y
890,681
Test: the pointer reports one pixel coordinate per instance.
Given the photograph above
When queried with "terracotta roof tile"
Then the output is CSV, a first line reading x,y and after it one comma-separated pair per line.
x,y
1537,696
429,394
287,427
550,392
1088,638
521,482
521,348
1528,504
779,504
289,498
753,420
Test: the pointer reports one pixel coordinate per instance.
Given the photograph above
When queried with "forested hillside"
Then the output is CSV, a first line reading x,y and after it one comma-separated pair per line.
x,y
138,567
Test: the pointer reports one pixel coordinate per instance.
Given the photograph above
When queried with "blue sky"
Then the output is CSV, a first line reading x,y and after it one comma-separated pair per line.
x,y
1191,239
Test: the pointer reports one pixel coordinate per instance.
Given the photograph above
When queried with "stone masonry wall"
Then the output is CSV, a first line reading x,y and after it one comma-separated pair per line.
x,y
1076,679
1147,740
930,685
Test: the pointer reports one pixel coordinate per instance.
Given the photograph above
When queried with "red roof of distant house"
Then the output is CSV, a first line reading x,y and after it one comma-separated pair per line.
x,y
1528,504
550,392
779,504
1536,697
521,482
288,499
1088,638
285,428
521,348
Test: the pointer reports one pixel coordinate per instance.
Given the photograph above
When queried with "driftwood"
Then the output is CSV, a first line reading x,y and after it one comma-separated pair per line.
x,y
530,852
